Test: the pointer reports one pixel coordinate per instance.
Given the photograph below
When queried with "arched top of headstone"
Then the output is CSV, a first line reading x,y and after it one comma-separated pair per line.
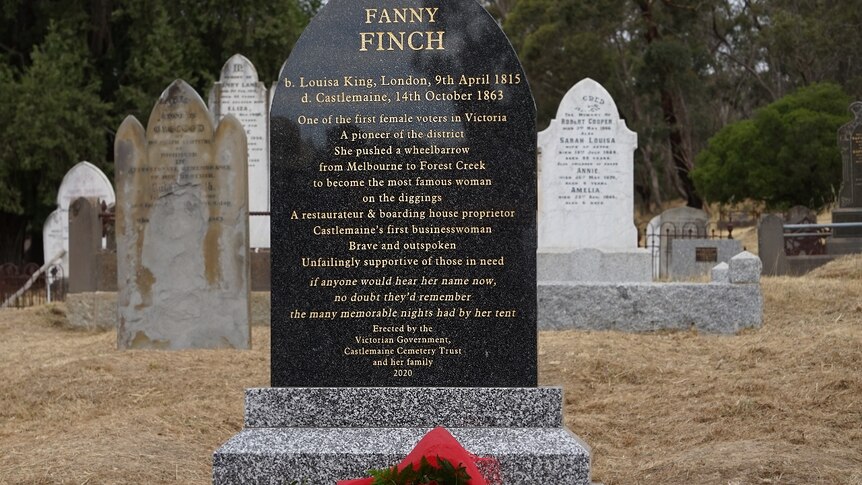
x,y
84,180
588,97
179,99
856,109
239,67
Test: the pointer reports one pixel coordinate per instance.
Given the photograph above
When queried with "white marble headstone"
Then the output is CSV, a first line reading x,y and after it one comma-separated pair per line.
x,y
240,93
85,180
586,196
55,238
82,180
182,228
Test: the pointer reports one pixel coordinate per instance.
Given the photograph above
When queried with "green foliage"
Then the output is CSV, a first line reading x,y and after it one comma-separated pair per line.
x,y
444,474
785,155
71,70
55,119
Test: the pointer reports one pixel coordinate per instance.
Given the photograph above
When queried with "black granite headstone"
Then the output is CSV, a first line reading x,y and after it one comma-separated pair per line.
x,y
850,143
403,150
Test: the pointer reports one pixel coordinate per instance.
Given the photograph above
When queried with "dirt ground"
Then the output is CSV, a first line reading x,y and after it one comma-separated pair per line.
x,y
781,404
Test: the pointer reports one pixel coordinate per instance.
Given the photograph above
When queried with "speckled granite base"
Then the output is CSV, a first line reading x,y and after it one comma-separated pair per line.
x,y
327,434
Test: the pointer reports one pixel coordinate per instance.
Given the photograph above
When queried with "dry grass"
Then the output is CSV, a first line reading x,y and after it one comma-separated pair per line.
x,y
782,404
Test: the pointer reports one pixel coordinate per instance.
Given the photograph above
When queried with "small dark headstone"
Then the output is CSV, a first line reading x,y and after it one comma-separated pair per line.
x,y
404,202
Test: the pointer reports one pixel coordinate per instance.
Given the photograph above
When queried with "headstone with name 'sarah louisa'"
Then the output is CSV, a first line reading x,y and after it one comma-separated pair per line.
x,y
404,288
587,184
403,192
182,228
240,93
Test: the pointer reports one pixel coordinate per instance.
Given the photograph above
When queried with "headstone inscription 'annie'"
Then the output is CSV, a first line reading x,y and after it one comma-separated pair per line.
x,y
182,228
587,184
403,161
240,93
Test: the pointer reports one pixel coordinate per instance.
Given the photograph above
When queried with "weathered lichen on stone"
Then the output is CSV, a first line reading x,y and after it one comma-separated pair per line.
x,y
182,228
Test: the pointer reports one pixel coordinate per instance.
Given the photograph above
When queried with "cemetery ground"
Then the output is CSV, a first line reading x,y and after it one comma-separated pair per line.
x,y
781,404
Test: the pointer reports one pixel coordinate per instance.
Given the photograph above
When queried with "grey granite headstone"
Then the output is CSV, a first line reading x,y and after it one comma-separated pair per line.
x,y
403,163
693,258
182,228
240,93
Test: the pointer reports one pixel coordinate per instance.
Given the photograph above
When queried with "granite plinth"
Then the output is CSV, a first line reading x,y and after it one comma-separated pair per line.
x,y
323,435
370,407
633,307
745,268
594,265
720,273
325,455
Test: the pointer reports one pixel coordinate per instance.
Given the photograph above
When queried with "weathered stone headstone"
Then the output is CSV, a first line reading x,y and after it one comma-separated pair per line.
x,y
587,185
850,195
182,228
404,197
240,93
676,223
84,180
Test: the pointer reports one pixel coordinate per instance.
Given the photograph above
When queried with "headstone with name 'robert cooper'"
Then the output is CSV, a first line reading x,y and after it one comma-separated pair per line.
x,y
240,93
403,150
587,185
182,228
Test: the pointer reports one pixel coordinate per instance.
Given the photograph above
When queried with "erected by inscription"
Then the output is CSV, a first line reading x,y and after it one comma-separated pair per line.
x,y
587,184
182,228
404,200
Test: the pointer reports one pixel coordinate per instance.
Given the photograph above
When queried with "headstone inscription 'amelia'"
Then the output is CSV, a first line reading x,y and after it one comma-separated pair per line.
x,y
240,93
403,160
182,228
587,185
404,200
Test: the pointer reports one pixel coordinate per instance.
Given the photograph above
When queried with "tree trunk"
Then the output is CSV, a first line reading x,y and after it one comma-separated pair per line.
x,y
680,156
12,230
